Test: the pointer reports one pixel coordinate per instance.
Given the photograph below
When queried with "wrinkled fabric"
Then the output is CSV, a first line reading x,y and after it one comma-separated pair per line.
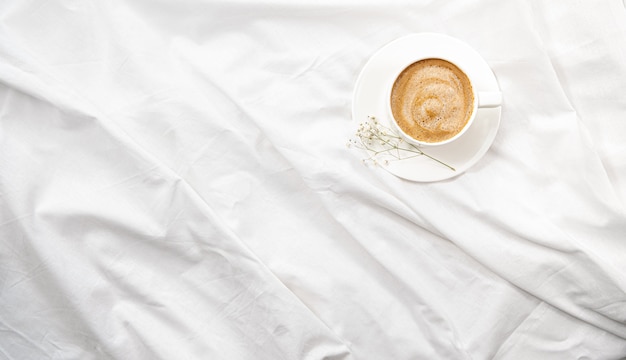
x,y
174,184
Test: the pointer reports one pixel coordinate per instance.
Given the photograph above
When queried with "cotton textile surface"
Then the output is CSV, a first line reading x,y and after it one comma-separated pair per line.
x,y
174,184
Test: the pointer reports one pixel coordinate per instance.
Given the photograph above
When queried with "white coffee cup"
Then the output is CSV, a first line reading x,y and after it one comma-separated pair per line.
x,y
481,99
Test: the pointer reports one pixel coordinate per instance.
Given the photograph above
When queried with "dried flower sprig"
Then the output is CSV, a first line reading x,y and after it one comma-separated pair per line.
x,y
383,145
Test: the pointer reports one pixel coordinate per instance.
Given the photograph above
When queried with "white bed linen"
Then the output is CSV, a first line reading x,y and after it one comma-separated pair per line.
x,y
174,184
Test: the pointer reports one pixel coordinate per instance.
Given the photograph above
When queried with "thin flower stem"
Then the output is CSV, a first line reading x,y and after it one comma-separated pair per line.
x,y
439,161
380,141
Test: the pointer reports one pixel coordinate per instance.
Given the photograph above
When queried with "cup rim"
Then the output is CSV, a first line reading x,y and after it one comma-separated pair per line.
x,y
425,143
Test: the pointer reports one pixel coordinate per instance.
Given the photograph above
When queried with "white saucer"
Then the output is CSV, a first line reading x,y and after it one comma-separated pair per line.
x,y
370,100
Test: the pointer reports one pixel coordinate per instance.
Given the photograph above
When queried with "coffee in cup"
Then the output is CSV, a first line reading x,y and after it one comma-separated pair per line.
x,y
432,101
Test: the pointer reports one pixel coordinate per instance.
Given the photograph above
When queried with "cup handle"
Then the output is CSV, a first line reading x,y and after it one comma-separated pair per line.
x,y
489,99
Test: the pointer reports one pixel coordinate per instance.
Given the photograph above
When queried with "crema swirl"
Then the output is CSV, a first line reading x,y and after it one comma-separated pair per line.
x,y
432,100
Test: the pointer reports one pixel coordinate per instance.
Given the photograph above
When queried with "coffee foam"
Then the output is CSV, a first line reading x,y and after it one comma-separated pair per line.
x,y
432,100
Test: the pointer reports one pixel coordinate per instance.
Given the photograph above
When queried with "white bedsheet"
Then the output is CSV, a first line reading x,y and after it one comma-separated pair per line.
x,y
174,184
